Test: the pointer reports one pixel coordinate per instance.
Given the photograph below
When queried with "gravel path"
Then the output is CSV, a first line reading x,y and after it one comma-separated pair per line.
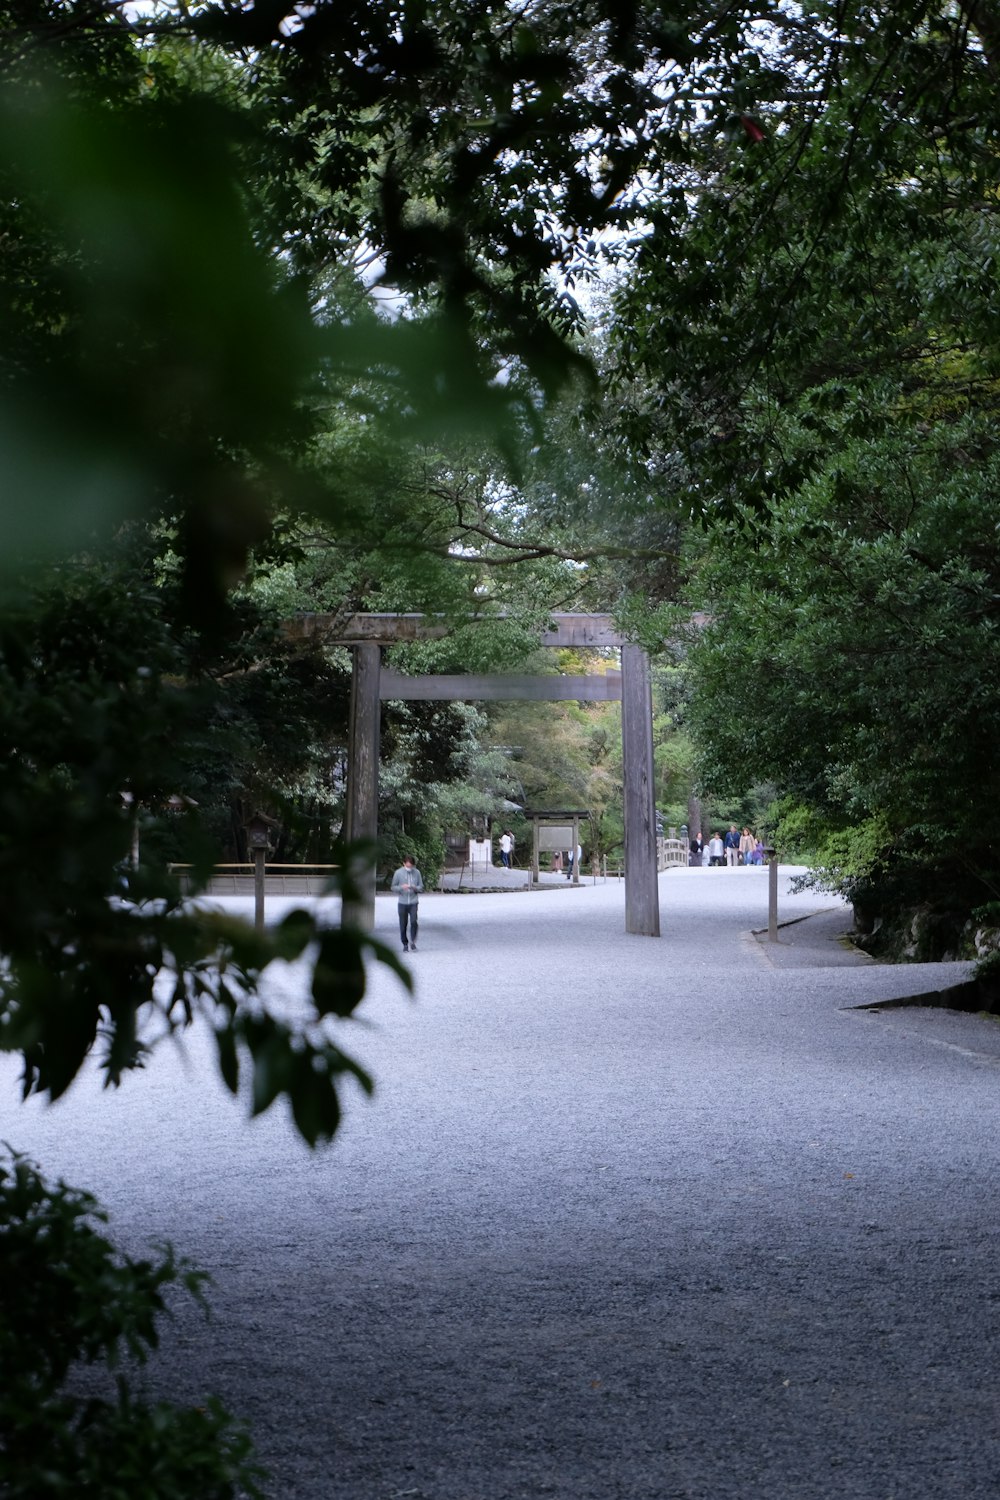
x,y
628,1219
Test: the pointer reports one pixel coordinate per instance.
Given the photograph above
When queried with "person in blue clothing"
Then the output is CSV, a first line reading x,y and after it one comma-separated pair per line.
x,y
732,846
407,885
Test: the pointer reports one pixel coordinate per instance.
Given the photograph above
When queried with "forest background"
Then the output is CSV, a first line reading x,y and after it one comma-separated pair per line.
x,y
490,311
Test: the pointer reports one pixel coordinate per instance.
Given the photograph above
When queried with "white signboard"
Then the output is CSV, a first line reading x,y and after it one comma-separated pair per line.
x,y
480,852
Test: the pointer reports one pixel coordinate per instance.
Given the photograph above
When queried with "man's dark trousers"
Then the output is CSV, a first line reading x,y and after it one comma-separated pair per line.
x,y
408,915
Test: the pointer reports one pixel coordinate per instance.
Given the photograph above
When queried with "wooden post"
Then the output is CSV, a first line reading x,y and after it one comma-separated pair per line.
x,y
576,851
259,857
772,895
694,816
642,897
536,872
362,776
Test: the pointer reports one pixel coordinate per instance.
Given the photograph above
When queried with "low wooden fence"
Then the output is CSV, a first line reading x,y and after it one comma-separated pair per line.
x,y
279,879
312,880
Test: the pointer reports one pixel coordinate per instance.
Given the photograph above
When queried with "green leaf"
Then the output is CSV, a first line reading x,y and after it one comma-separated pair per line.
x,y
293,934
338,984
274,1060
229,1063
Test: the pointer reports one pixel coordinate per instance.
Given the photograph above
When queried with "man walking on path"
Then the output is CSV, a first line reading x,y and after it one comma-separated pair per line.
x,y
407,884
732,842
506,848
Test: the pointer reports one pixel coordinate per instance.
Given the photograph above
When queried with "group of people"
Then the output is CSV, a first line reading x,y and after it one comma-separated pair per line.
x,y
563,861
732,848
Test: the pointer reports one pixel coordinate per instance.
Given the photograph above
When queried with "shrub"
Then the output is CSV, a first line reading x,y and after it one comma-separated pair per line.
x,y
66,1297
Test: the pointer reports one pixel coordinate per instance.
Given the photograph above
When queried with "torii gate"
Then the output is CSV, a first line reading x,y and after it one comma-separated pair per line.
x,y
370,683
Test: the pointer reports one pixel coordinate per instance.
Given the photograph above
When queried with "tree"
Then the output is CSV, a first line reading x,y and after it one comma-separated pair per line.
x,y
812,327
862,677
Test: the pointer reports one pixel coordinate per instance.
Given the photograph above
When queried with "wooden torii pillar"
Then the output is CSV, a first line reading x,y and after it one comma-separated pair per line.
x,y
642,894
364,735
366,634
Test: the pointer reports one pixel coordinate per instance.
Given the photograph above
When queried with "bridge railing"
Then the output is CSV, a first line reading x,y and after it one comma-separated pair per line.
x,y
671,852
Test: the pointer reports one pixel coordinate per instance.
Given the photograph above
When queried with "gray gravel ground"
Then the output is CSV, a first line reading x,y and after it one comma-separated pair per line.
x,y
628,1219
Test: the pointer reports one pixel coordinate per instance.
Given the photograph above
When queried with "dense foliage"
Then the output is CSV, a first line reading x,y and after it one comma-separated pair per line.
x,y
854,639
811,328
68,1301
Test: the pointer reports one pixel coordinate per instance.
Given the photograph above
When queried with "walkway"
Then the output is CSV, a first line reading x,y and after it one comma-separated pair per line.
x,y
628,1219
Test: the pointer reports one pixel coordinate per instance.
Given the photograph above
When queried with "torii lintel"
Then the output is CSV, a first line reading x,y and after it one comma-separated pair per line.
x,y
390,630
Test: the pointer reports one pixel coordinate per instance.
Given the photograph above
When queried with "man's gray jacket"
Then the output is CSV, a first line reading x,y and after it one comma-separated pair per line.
x,y
407,885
